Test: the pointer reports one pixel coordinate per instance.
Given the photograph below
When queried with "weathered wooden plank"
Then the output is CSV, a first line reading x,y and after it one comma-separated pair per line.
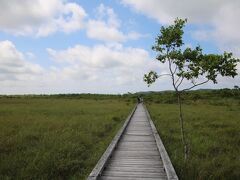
x,y
138,138
153,148
139,166
171,174
152,157
126,178
139,129
132,163
137,143
137,124
135,130
139,133
135,161
140,157
145,138
139,161
136,169
134,174
136,154
137,146
134,147
103,160
123,160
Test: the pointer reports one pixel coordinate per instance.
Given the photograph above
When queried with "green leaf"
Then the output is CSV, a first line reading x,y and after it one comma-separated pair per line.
x,y
150,78
190,64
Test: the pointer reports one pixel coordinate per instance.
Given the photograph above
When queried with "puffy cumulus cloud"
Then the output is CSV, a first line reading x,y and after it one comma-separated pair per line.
x,y
166,11
101,56
109,68
224,28
106,27
40,17
112,64
216,20
13,65
18,75
100,30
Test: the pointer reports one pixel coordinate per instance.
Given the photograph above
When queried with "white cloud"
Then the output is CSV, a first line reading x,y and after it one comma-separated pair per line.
x,y
99,30
106,27
104,68
216,20
13,65
102,56
112,65
108,68
166,11
40,17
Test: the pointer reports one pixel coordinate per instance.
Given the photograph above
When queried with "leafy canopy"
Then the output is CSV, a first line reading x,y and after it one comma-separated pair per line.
x,y
189,64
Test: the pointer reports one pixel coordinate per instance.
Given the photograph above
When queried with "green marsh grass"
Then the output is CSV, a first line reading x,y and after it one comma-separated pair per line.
x,y
56,137
213,135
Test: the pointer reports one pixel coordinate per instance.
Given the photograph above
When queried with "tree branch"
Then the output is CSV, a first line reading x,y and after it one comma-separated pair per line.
x,y
172,73
180,82
164,75
175,70
195,85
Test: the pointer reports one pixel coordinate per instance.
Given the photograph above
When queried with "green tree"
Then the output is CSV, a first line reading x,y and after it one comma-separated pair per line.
x,y
236,87
189,65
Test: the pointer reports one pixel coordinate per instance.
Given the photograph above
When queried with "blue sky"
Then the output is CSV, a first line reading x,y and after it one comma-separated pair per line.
x,y
80,46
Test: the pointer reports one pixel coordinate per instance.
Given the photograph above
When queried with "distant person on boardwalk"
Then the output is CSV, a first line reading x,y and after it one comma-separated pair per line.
x,y
139,99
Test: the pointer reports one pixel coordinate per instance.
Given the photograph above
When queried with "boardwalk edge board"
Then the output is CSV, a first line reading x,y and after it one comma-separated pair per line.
x,y
96,172
170,171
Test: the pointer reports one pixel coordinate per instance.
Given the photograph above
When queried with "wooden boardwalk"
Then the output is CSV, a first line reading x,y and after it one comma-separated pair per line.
x,y
136,153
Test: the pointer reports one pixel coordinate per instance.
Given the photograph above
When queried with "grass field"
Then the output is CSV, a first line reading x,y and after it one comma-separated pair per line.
x,y
57,137
63,136
213,135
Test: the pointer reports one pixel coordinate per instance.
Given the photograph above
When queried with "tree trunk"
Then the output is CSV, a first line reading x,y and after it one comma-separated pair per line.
x,y
181,121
